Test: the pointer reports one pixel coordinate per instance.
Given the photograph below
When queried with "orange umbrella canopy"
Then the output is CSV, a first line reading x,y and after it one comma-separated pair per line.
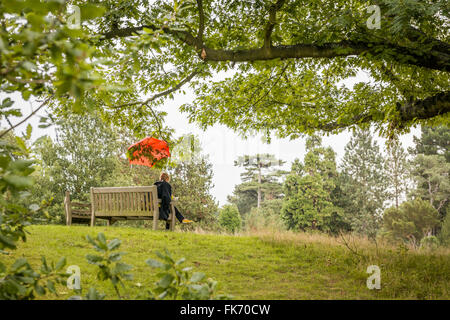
x,y
148,151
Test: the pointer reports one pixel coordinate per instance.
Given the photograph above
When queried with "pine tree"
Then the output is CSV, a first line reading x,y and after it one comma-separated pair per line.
x,y
431,174
364,182
412,221
431,167
433,141
397,171
260,178
229,218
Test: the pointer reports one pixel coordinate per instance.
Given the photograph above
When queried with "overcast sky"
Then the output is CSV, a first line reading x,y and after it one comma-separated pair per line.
x,y
222,145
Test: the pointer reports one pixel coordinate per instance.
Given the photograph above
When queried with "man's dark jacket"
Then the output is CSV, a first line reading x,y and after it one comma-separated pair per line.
x,y
165,194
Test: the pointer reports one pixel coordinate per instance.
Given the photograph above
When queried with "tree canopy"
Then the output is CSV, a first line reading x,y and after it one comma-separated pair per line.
x,y
287,61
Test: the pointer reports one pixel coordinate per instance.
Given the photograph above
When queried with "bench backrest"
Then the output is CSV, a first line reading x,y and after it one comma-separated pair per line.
x,y
124,201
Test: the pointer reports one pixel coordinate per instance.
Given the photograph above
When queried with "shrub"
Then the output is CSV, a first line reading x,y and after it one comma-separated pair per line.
x,y
174,281
177,282
412,221
430,242
266,217
19,281
229,218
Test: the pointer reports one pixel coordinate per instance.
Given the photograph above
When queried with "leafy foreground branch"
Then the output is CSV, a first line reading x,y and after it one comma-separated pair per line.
x,y
21,282
175,281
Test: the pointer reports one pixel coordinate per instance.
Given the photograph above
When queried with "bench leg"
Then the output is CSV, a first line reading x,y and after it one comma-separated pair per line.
x,y
108,222
155,220
172,213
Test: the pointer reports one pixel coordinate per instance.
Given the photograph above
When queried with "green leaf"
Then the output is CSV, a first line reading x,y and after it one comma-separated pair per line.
x,y
51,286
18,181
114,244
7,242
93,294
29,131
93,259
122,267
116,256
61,263
40,290
154,263
166,281
90,11
102,240
197,276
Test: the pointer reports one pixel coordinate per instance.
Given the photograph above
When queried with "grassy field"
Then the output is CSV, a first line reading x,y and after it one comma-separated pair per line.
x,y
261,266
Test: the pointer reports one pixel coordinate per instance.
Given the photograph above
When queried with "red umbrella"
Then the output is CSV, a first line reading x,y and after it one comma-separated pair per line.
x,y
148,151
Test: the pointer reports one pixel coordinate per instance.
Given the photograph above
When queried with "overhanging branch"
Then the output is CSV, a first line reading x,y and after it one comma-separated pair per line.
x,y
201,24
422,109
272,21
27,117
437,60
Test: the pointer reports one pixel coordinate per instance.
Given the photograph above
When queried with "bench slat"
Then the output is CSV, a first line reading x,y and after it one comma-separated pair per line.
x,y
88,212
79,204
123,189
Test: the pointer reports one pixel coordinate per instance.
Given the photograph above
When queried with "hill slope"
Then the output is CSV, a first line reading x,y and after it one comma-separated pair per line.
x,y
251,267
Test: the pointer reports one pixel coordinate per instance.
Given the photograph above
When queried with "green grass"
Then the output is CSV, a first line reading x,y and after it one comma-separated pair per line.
x,y
251,267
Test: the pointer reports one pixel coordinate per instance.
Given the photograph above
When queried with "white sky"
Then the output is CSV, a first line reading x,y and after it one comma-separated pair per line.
x,y
222,145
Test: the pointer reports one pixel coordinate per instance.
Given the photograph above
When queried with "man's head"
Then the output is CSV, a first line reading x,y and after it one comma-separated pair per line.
x,y
164,177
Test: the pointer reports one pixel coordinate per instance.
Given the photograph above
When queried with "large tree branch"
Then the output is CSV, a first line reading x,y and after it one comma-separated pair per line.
x,y
201,19
437,60
427,108
272,20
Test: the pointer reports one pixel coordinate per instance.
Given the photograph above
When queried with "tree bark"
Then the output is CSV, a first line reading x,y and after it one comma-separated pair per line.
x,y
420,109
438,58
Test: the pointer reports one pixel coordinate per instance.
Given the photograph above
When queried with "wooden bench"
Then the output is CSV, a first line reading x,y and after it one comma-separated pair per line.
x,y
127,203
76,212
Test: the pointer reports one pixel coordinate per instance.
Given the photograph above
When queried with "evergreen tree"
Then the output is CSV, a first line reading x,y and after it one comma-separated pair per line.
x,y
363,183
308,203
444,236
245,197
268,216
397,171
229,218
431,166
433,141
260,181
412,221
431,174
